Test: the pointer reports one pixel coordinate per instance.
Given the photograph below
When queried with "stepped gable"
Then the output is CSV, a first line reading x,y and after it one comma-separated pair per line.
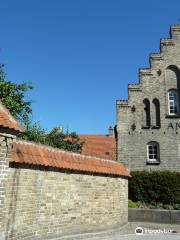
x,y
155,61
101,146
7,121
148,122
30,153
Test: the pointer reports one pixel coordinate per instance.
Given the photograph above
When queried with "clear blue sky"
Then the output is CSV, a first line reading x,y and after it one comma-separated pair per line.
x,y
81,54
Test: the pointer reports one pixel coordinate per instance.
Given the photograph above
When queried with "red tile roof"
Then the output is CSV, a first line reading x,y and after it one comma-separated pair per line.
x,y
31,153
7,121
99,146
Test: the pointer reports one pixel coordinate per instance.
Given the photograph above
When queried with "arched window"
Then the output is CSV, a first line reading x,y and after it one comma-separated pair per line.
x,y
157,121
153,154
173,102
147,112
172,76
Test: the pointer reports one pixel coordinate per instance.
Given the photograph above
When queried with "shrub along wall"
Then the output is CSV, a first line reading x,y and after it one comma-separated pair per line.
x,y
155,187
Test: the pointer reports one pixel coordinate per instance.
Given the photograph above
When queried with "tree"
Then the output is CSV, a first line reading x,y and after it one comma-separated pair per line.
x,y
71,142
34,132
55,138
13,96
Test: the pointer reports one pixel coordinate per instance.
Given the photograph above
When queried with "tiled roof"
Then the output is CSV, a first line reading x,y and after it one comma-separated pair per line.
x,y
31,153
7,121
99,146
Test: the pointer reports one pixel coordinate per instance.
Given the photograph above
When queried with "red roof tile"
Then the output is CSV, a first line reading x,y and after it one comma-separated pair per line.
x,y
31,153
99,146
7,121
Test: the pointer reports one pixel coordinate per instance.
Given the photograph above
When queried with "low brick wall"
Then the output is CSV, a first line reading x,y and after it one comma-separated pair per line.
x,y
154,215
45,203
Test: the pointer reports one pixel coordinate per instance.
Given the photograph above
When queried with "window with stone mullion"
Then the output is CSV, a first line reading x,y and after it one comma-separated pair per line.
x,y
173,103
152,152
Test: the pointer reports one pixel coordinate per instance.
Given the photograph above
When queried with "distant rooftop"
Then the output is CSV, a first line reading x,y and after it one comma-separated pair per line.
x,y
102,146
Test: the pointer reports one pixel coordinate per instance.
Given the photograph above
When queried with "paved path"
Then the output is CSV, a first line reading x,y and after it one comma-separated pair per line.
x,y
128,233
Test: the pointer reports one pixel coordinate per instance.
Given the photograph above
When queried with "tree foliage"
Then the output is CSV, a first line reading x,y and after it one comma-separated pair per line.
x,y
71,142
13,96
55,138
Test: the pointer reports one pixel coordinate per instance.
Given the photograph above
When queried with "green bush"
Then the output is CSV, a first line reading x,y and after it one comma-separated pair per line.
x,y
155,187
132,204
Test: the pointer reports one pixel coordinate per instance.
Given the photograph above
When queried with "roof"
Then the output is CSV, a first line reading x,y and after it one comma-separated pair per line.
x,y
41,155
99,146
7,121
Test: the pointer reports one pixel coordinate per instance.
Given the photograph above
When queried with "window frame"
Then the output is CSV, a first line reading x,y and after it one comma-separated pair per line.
x,y
156,152
173,101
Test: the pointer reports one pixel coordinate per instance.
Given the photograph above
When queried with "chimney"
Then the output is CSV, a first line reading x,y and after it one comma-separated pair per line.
x,y
111,131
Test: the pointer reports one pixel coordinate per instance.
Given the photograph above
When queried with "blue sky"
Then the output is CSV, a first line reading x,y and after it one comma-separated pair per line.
x,y
81,54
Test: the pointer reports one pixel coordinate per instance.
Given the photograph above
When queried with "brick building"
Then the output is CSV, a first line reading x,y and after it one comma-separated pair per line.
x,y
148,123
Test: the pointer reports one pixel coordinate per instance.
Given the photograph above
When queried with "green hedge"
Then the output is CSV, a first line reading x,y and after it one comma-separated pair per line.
x,y
155,187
